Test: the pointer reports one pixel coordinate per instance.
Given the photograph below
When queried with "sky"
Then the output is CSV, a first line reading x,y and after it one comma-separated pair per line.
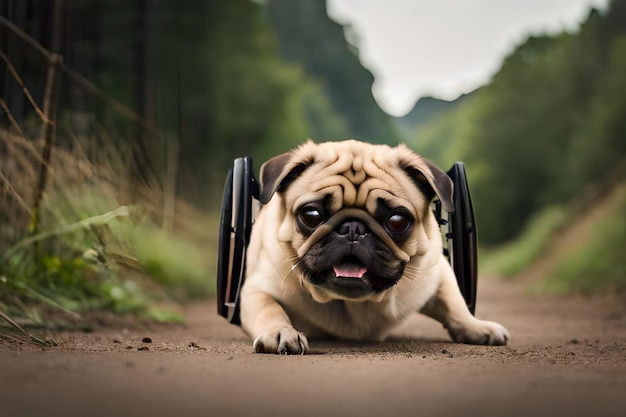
x,y
444,48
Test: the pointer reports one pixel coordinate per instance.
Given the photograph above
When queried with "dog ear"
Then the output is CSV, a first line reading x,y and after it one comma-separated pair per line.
x,y
278,172
429,179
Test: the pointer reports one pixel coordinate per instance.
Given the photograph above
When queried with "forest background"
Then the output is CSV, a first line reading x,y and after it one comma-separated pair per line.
x,y
119,121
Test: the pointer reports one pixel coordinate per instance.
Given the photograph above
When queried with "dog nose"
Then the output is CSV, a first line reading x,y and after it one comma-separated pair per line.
x,y
353,230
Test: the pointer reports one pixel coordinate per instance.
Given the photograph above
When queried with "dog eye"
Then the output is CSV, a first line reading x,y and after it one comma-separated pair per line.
x,y
398,224
311,217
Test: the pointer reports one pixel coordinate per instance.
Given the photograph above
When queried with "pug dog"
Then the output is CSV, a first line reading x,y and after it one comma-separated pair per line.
x,y
346,246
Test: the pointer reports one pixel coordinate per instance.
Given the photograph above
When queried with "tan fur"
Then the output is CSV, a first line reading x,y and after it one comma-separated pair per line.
x,y
276,300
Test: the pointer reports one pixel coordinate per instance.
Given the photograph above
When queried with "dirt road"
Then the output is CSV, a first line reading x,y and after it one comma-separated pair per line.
x,y
567,358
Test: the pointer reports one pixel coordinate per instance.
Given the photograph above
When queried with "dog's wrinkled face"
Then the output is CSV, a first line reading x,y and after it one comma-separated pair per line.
x,y
354,213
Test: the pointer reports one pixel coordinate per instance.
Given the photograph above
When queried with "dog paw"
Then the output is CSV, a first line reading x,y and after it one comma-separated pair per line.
x,y
282,341
480,332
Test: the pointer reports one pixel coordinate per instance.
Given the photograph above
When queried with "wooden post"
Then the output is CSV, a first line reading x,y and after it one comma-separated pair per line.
x,y
48,129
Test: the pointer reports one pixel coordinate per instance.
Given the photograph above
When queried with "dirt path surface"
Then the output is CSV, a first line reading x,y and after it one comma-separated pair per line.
x,y
567,358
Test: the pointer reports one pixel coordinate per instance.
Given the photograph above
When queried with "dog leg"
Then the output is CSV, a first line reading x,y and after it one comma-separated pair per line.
x,y
265,320
449,308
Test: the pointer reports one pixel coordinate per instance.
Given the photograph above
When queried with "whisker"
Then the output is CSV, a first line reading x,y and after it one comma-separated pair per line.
x,y
293,267
289,260
409,274
418,269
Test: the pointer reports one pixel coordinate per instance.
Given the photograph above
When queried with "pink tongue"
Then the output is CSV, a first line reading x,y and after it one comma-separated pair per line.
x,y
349,271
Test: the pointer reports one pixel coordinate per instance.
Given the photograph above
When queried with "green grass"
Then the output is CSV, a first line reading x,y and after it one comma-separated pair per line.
x,y
175,262
596,264
512,258
106,262
599,264
90,252
59,269
68,270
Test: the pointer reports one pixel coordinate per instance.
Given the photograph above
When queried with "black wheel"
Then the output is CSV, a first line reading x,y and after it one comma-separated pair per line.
x,y
240,190
462,247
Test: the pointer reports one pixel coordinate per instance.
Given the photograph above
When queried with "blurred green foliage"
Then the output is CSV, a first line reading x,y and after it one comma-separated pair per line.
x,y
215,77
214,80
106,261
211,81
49,268
512,258
549,123
597,263
176,262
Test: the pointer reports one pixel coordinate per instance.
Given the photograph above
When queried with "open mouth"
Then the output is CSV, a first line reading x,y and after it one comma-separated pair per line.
x,y
349,267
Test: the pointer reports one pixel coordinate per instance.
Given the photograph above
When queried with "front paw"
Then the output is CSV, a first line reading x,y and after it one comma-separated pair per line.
x,y
283,340
479,332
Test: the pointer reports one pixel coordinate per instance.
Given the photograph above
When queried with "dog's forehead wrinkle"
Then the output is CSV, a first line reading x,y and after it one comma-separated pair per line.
x,y
357,179
341,192
363,172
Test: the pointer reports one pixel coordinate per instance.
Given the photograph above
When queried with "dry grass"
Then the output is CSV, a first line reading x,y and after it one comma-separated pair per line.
x,y
99,243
